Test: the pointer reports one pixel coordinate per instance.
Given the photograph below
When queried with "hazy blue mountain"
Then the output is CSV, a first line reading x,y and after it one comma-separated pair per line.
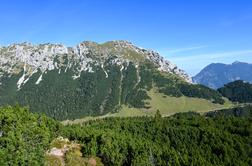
x,y
216,75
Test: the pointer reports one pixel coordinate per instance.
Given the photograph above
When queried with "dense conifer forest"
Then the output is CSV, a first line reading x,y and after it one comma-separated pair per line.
x,y
237,91
217,138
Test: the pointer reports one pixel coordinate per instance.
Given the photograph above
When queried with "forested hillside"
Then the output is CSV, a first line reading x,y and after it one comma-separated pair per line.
x,y
95,93
183,139
237,91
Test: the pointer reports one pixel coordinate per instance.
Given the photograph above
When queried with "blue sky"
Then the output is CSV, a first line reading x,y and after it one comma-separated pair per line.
x,y
190,33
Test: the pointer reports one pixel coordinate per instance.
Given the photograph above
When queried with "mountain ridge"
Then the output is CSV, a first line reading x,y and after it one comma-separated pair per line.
x,y
42,56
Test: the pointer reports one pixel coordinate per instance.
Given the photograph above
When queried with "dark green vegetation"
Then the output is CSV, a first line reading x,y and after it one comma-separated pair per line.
x,y
237,91
237,112
24,136
62,97
183,139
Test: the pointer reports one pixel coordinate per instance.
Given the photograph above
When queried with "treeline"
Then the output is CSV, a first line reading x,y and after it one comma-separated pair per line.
x,y
243,111
237,91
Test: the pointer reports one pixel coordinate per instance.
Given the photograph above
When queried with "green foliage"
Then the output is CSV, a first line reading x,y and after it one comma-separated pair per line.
x,y
245,111
128,83
238,91
51,160
184,139
201,91
158,115
137,99
24,136
8,88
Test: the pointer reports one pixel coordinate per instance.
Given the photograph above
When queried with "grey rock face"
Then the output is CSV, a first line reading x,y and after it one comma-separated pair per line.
x,y
28,58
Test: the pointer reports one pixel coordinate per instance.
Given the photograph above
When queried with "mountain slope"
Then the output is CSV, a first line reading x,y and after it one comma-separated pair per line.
x,y
237,91
89,79
217,74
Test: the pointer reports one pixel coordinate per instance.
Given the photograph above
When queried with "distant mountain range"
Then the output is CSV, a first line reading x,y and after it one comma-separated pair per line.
x,y
216,75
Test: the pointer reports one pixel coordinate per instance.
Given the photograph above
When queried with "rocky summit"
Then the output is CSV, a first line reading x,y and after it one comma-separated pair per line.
x,y
29,59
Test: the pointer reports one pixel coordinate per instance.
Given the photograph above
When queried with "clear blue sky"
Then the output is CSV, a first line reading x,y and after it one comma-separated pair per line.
x,y
190,33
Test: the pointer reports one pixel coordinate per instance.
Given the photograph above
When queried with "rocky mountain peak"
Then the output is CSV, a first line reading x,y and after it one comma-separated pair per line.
x,y
29,58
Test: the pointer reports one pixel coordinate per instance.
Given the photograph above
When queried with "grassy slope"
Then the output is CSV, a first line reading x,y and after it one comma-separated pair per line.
x,y
167,106
170,105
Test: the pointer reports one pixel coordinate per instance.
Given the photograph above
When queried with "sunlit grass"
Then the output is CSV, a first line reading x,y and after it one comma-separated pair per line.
x,y
165,104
